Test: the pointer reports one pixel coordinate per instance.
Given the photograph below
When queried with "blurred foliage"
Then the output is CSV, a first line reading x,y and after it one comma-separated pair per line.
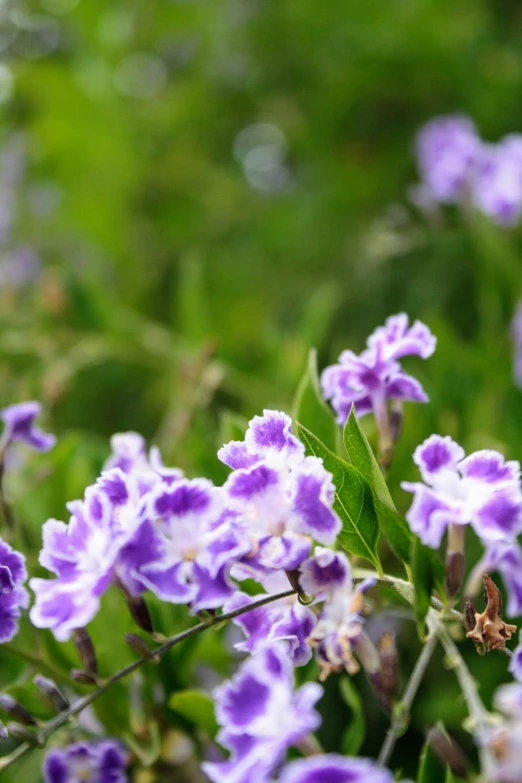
x,y
185,269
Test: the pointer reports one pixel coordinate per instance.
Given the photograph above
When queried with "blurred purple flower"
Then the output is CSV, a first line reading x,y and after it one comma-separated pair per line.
x,y
13,595
375,376
497,180
482,490
261,717
506,558
503,739
20,427
102,762
447,150
335,769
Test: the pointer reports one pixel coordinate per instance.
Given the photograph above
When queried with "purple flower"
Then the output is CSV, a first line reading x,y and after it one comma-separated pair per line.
x,y
129,453
20,426
335,769
94,550
102,762
340,627
284,498
375,376
280,621
482,490
13,596
324,572
261,716
195,537
447,150
506,558
497,180
268,439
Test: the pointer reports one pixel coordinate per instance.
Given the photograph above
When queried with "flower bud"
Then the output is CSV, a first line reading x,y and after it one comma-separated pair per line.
x,y
53,693
85,649
24,735
455,559
4,734
79,675
138,645
396,419
369,658
15,710
448,752
140,613
389,664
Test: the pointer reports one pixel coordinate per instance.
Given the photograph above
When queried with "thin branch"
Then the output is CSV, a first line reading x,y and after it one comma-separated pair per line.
x,y
403,710
478,713
62,718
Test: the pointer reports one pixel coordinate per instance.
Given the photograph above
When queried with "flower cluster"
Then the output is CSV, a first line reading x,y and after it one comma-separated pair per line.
x,y
145,527
376,376
261,716
457,166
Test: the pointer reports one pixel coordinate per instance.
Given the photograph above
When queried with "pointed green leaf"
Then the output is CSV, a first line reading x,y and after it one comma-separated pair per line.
x,y
353,736
428,574
430,768
310,409
196,707
353,501
361,456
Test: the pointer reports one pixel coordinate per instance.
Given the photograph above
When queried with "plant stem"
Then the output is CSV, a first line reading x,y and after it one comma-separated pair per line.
x,y
410,692
62,718
477,711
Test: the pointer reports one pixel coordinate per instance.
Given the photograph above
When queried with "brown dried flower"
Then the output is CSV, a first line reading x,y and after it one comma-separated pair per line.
x,y
490,631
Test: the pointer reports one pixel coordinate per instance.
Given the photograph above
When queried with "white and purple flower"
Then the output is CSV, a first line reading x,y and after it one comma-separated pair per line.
x,y
376,376
102,762
195,537
497,180
335,769
503,740
261,716
482,490
13,595
284,498
338,633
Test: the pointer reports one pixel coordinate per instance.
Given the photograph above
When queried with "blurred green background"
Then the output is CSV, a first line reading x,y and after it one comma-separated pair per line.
x,y
195,192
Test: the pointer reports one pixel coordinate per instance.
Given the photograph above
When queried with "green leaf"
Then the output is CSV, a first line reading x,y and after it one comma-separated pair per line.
x,y
309,407
362,457
196,707
430,768
353,736
428,573
353,501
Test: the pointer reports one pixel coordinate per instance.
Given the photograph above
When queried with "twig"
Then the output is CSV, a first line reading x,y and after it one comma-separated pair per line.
x,y
410,692
55,723
477,711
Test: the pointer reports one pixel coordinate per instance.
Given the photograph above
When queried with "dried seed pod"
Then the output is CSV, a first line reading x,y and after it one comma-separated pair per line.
x,y
490,632
24,734
52,691
85,649
15,710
